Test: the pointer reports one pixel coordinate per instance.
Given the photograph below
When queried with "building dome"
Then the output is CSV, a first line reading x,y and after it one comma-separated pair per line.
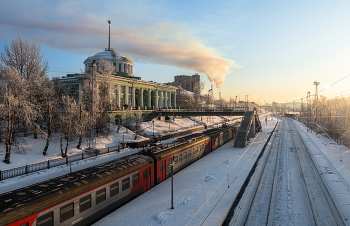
x,y
123,65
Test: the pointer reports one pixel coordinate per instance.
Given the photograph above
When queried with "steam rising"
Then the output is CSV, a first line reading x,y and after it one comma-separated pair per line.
x,y
139,38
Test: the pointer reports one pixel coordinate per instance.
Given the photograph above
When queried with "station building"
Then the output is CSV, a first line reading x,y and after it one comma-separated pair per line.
x,y
124,90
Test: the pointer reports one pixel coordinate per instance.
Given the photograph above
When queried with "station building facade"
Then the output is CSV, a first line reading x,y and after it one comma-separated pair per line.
x,y
124,90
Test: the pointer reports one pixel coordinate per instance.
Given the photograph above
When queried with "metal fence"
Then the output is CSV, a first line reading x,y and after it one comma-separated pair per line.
x,y
22,170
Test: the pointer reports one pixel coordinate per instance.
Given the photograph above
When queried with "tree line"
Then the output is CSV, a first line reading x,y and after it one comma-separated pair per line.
x,y
32,103
330,116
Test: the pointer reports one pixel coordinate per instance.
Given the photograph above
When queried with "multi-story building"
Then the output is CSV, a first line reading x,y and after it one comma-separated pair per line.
x,y
190,83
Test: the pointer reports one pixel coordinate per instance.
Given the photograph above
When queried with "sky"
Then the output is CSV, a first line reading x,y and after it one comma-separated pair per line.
x,y
267,50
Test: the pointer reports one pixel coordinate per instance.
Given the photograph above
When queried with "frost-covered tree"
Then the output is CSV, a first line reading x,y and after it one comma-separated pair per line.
x,y
23,73
24,57
67,122
105,67
17,108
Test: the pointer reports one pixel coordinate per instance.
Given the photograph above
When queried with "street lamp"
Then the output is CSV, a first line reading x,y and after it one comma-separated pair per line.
x,y
153,127
171,163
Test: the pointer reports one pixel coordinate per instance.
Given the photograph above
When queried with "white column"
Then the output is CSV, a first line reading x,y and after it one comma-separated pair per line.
x,y
149,98
126,95
156,104
161,103
175,100
118,96
141,97
132,69
166,99
169,101
133,97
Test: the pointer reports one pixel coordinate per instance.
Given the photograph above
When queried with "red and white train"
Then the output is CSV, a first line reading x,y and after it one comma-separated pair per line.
x,y
82,197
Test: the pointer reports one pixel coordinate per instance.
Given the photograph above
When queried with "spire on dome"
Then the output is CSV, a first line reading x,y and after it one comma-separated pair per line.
x,y
109,35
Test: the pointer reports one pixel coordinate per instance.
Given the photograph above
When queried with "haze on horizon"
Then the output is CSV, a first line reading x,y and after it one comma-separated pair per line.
x,y
270,50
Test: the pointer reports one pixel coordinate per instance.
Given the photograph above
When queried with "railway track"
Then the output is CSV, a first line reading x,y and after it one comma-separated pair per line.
x,y
286,188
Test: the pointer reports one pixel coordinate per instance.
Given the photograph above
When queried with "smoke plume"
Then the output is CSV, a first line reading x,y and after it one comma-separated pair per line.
x,y
134,35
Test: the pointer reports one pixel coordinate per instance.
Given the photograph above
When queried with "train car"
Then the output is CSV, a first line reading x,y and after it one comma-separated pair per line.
x,y
79,198
82,197
220,136
184,151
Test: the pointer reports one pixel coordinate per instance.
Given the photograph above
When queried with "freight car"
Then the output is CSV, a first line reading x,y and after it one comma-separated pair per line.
x,y
82,197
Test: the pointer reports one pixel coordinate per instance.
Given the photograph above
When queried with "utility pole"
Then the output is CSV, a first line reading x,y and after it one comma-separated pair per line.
x,y
316,98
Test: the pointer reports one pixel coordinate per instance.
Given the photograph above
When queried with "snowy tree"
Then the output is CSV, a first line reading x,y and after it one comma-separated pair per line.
x,y
67,122
24,57
23,72
105,67
17,107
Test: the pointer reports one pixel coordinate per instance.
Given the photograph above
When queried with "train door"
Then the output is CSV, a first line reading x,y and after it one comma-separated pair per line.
x,y
147,177
162,171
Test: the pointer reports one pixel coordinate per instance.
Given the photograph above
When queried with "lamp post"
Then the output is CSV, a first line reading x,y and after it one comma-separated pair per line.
x,y
93,84
171,163
153,127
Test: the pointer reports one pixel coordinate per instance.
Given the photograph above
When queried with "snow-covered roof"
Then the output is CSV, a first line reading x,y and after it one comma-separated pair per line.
x,y
108,55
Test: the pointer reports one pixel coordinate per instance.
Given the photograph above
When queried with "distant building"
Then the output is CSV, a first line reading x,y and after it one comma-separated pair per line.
x,y
190,83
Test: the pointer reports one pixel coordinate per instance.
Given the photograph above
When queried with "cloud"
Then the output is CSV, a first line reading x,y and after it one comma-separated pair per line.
x,y
137,31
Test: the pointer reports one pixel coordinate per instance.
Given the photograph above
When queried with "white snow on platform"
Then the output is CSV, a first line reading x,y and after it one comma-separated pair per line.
x,y
204,191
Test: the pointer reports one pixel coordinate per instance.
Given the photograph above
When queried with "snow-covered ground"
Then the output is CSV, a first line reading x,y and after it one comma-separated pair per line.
x,y
31,151
204,191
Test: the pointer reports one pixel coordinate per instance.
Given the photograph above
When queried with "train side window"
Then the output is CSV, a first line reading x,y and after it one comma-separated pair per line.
x,y
185,155
66,212
180,157
125,183
161,166
135,179
189,153
148,172
176,160
114,189
100,195
45,220
25,224
145,174
84,203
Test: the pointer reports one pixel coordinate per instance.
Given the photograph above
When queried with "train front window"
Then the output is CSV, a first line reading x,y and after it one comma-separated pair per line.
x,y
25,224
84,203
45,220
100,196
66,212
